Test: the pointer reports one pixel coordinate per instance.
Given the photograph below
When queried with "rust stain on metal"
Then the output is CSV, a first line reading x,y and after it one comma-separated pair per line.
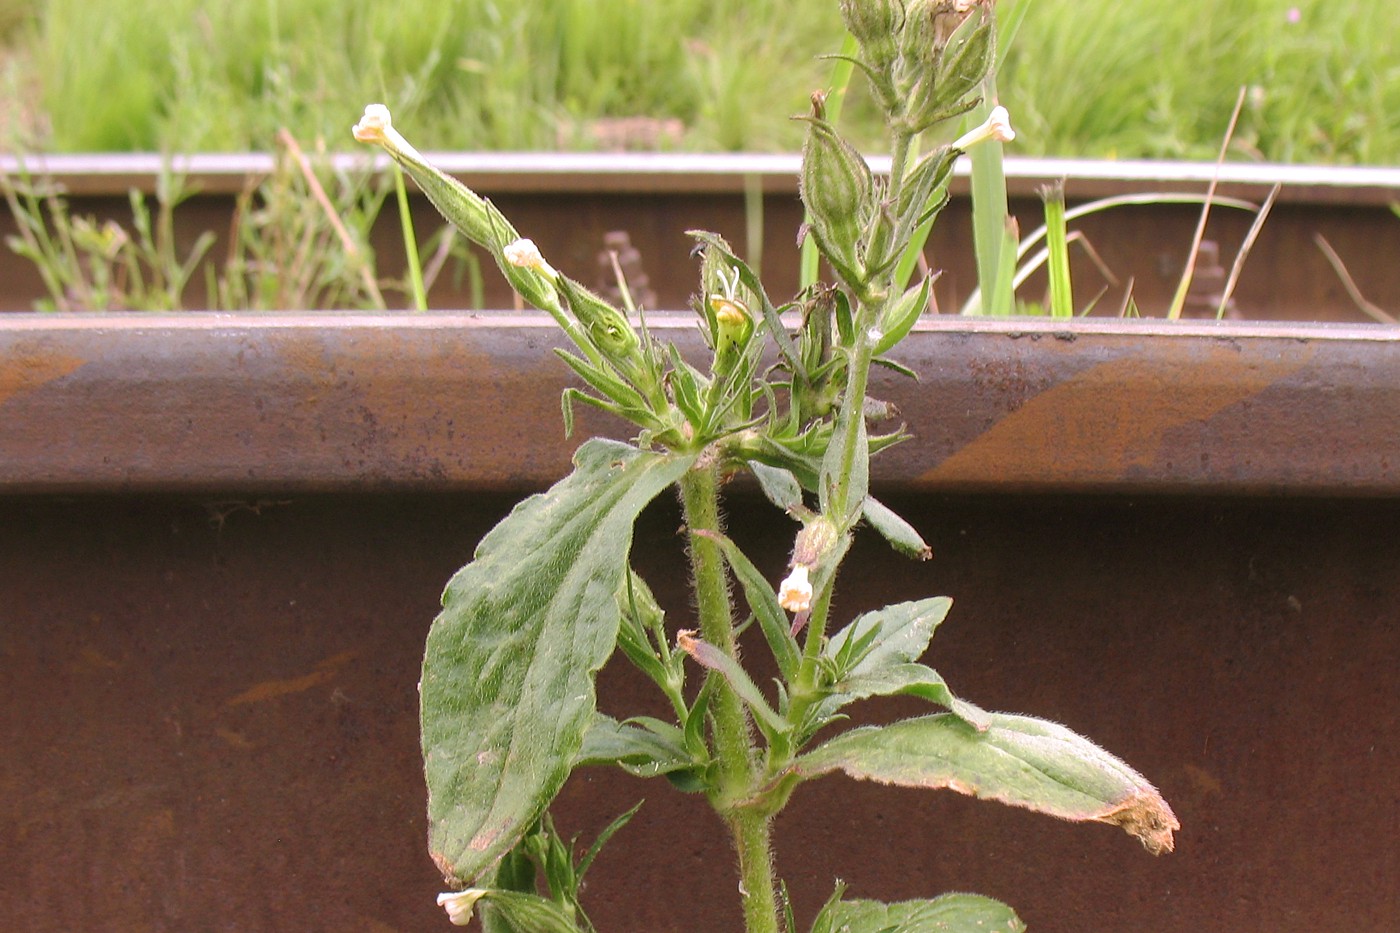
x,y
271,689
392,400
29,365
1111,418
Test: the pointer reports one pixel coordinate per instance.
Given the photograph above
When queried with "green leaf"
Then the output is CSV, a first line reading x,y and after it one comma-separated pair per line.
x,y
901,633
857,483
518,912
711,658
637,750
778,485
902,680
894,529
507,685
1057,242
603,379
1018,760
608,832
763,600
902,314
951,913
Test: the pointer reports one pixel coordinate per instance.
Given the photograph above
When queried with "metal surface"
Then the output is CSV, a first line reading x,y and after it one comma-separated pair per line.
x,y
709,173
570,203
106,403
208,712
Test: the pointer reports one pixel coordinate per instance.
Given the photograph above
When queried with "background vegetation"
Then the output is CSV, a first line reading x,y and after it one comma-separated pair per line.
x,y
1086,77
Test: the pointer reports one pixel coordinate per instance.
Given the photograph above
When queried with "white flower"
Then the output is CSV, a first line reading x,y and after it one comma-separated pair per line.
x,y
374,125
526,255
459,904
795,592
997,126
377,127
999,120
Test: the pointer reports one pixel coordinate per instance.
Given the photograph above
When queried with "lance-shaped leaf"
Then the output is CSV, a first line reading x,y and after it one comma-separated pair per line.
x,y
763,600
893,528
896,634
520,912
1018,760
779,486
901,680
632,746
507,687
712,658
951,913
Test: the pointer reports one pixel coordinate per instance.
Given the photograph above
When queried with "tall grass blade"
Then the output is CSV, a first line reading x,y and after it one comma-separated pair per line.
x,y
1245,247
1057,248
410,241
1374,311
1184,286
990,217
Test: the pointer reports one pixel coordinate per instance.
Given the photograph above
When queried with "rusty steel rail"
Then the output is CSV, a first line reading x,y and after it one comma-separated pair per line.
x,y
712,173
342,402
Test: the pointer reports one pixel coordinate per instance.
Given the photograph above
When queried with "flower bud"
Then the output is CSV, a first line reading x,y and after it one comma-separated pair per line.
x,y
464,208
838,189
876,25
814,542
733,328
957,60
608,327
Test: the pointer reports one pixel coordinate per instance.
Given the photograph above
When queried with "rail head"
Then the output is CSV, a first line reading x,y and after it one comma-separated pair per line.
x,y
357,402
99,174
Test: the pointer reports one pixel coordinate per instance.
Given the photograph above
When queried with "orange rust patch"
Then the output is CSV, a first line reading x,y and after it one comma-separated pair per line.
x,y
271,689
28,365
90,660
1111,418
236,739
1203,782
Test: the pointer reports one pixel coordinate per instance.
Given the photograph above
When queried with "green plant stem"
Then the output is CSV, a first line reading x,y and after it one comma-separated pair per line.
x,y
843,511
732,736
410,242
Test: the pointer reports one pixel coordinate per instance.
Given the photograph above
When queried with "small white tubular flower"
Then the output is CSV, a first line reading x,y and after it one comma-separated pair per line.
x,y
999,121
997,126
377,127
373,125
459,904
795,592
526,255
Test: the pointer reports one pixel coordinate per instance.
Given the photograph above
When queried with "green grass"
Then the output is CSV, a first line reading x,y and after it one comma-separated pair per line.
x,y
1087,77
492,74
1158,80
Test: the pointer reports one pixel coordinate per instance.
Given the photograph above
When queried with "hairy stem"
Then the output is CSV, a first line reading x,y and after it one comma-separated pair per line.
x,y
733,739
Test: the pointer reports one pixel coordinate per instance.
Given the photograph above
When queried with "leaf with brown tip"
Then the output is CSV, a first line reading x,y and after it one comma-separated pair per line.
x,y
1018,760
